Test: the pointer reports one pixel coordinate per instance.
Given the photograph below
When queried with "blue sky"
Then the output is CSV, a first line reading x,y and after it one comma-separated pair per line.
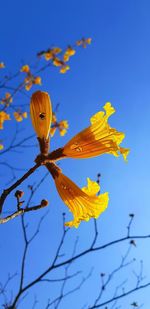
x,y
115,68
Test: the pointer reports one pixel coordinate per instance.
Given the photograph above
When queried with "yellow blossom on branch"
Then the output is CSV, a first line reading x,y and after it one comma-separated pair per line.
x,y
64,68
19,115
51,53
3,116
99,138
25,68
62,126
57,62
30,79
68,53
84,42
37,80
7,100
52,131
2,65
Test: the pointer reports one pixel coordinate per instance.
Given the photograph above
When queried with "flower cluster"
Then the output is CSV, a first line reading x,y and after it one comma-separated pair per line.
x,y
20,115
62,126
59,58
7,100
84,42
3,117
30,79
97,139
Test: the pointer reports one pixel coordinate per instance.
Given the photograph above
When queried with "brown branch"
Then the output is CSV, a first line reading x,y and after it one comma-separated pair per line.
x,y
7,191
70,260
121,296
20,212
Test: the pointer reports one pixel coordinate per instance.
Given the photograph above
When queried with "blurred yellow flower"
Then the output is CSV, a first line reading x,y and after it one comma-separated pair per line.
x,y
97,139
37,80
64,69
2,65
57,62
25,68
54,119
1,146
3,116
84,42
68,53
62,131
62,126
28,85
48,55
7,100
19,115
56,50
52,131
51,53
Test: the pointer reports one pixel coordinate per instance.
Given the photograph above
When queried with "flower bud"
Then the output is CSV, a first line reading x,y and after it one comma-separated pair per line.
x,y
41,113
44,202
19,194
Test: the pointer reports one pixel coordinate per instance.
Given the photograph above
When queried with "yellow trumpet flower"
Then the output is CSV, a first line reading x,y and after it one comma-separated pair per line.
x,y
84,204
97,139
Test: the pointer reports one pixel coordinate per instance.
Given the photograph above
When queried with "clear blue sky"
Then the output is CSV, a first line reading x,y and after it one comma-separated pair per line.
x,y
115,68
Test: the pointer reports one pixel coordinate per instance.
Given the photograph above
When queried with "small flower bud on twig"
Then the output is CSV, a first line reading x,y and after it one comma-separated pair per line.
x,y
44,202
19,194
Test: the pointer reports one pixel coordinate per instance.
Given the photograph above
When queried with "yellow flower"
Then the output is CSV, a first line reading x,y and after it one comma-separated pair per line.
x,y
57,62
41,113
97,139
52,131
51,53
62,132
1,146
2,65
48,55
84,204
64,124
88,41
54,119
68,53
66,57
8,99
24,115
37,80
64,69
28,86
56,50
3,116
19,116
83,42
25,68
